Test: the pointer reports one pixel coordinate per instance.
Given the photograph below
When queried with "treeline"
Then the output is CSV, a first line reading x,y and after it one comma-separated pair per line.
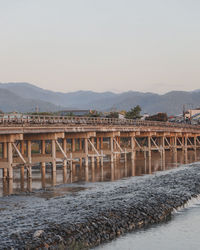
x,y
133,113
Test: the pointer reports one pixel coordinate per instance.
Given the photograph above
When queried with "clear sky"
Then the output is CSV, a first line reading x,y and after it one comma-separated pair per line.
x,y
101,45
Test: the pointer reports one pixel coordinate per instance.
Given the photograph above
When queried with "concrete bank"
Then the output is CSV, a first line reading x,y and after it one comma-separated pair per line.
x,y
93,216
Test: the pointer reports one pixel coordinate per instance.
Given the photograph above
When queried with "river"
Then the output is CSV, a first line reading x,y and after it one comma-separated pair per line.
x,y
95,173
113,196
181,232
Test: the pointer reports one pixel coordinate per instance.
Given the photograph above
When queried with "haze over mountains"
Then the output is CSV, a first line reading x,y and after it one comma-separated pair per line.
x,y
25,97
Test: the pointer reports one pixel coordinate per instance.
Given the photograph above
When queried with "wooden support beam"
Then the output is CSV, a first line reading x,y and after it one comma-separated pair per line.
x,y
43,136
79,135
127,134
180,142
146,134
107,134
93,147
157,146
19,153
137,143
11,137
193,146
117,144
62,150
168,143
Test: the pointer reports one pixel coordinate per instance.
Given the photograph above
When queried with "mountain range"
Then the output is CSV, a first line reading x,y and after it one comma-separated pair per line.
x,y
25,97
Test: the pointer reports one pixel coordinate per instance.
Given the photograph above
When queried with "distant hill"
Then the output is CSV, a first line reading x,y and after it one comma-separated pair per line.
x,y
9,101
25,97
71,100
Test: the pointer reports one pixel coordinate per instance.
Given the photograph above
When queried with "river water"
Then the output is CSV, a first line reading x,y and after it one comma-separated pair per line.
x,y
95,173
181,232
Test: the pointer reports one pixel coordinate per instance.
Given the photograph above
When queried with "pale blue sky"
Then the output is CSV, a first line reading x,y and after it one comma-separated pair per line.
x,y
100,45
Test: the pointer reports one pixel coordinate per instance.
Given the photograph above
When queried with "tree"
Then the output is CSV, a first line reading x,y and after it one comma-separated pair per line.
x,y
162,117
113,115
94,113
134,113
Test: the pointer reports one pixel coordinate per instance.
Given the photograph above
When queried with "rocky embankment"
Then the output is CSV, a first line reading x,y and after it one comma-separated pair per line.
x,y
101,213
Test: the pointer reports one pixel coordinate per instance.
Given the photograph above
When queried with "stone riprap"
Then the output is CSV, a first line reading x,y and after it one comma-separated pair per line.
x,y
98,214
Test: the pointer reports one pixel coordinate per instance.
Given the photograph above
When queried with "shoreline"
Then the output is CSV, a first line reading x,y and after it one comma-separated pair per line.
x,y
100,214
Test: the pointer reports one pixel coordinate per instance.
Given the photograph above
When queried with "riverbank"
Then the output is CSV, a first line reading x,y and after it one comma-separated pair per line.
x,y
101,213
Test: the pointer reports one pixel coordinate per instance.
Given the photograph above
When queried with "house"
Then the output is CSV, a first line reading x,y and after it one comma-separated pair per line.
x,y
190,113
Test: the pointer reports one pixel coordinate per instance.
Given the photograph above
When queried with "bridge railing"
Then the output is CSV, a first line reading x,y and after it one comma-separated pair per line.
x,y
70,120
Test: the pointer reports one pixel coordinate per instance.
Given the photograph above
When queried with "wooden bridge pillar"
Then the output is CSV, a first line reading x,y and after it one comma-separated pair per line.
x,y
29,151
149,146
29,172
163,151
133,167
53,152
22,178
5,156
186,148
73,144
86,151
65,161
65,150
22,174
22,146
10,160
43,175
175,144
5,150
93,171
111,149
175,149
29,184
86,173
133,152
43,164
5,173
92,157
195,147
101,142
53,178
80,144
98,146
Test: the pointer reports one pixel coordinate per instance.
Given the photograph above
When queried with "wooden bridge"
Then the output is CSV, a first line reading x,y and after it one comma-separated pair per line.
x,y
39,140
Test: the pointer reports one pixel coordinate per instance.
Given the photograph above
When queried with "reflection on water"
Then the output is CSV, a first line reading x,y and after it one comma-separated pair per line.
x,y
95,172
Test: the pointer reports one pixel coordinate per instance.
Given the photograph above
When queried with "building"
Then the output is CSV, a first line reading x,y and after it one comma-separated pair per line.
x,y
190,113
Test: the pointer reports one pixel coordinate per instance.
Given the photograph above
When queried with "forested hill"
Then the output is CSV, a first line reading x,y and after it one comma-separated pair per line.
x,y
24,97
